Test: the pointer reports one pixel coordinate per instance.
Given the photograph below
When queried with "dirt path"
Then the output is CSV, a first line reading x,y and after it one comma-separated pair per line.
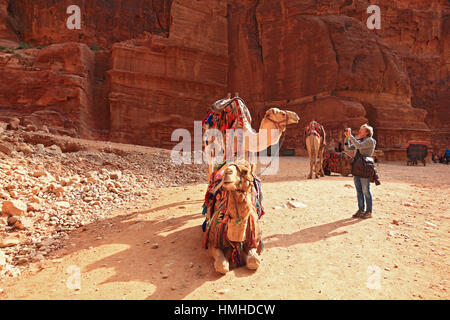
x,y
317,252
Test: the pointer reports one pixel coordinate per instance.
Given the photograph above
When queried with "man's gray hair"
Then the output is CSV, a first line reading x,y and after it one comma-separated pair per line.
x,y
368,128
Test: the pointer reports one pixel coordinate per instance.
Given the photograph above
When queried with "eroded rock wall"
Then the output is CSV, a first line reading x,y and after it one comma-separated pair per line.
x,y
52,86
136,71
103,22
161,84
309,52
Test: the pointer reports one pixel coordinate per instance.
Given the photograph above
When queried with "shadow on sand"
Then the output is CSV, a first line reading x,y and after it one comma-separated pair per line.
x,y
311,234
179,265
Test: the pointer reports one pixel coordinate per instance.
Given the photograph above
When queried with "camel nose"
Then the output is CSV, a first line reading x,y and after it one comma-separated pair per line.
x,y
228,175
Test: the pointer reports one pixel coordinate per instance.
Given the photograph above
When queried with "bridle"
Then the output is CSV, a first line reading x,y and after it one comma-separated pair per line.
x,y
246,177
219,105
233,194
278,124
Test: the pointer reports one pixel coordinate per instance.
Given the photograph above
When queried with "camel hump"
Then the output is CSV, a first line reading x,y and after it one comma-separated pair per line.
x,y
315,128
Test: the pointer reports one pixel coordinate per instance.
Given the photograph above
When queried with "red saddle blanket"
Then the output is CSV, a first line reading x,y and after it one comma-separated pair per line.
x,y
315,128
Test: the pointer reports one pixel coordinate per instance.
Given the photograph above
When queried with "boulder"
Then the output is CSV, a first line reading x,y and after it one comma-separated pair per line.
x,y
34,207
9,242
2,259
14,123
116,175
3,126
14,208
25,148
6,148
20,223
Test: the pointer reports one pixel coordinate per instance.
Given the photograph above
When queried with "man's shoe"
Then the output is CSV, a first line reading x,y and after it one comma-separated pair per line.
x,y
358,214
366,215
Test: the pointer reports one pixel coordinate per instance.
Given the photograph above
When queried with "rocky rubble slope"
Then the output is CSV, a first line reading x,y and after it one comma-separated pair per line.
x,y
51,185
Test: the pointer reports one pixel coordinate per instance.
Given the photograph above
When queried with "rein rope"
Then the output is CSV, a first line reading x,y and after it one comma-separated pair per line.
x,y
278,151
218,106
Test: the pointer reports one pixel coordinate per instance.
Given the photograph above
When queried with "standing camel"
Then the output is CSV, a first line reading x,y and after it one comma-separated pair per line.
x,y
315,144
232,113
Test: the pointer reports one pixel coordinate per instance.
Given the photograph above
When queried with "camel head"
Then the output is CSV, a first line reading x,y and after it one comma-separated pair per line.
x,y
238,177
282,117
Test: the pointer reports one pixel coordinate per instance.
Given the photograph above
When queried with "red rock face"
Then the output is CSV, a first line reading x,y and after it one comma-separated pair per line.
x,y
43,22
161,84
162,62
51,87
7,35
420,31
309,51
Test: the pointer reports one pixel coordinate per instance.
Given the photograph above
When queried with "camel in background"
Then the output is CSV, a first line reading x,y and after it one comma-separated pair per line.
x,y
315,140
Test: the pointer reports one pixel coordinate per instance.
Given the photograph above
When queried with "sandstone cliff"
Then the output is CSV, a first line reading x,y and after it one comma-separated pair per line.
x,y
136,71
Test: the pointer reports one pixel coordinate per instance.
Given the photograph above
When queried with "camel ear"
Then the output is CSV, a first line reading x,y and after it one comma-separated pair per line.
x,y
270,112
252,168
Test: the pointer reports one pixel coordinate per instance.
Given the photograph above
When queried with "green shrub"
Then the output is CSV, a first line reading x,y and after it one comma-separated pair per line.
x,y
2,48
95,47
23,45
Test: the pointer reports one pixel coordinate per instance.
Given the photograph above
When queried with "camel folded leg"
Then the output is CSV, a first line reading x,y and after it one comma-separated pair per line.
x,y
221,263
253,260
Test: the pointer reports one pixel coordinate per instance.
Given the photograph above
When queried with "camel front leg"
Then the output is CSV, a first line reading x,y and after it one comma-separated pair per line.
x,y
210,170
321,161
310,167
211,157
316,158
308,147
221,263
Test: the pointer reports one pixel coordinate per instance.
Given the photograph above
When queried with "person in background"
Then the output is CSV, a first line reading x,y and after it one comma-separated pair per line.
x,y
447,156
366,146
434,157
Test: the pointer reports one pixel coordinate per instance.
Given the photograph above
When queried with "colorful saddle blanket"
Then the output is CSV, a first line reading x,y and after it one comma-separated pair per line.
x,y
215,209
315,128
234,115
215,193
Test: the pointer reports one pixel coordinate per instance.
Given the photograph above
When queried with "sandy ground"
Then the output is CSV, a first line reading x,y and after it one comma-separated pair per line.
x,y
317,252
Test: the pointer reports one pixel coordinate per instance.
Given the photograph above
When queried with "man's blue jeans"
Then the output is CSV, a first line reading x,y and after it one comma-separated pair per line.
x,y
362,186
